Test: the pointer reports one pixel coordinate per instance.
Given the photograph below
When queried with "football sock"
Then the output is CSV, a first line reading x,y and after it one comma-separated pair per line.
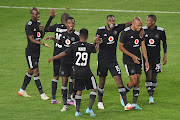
x,y
122,91
54,88
64,94
148,85
70,88
92,99
127,89
27,79
154,84
78,102
100,94
135,94
38,84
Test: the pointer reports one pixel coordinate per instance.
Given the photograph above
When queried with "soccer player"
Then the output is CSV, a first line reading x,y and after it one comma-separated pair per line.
x,y
67,38
80,52
57,29
34,32
153,36
107,58
132,38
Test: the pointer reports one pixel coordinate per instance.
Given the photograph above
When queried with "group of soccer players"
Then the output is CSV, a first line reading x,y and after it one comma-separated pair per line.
x,y
72,55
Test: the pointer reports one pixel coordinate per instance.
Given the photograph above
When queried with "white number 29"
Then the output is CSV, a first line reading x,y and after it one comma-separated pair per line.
x,y
83,57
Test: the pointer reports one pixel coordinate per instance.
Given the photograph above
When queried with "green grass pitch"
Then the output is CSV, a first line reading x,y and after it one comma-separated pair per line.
x,y
13,64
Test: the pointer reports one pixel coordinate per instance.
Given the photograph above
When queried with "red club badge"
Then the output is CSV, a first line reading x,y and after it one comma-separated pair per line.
x,y
38,34
67,41
111,38
136,41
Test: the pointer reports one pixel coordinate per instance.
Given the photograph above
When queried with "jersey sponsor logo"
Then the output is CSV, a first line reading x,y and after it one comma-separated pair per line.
x,y
68,42
151,43
136,42
111,40
38,34
58,45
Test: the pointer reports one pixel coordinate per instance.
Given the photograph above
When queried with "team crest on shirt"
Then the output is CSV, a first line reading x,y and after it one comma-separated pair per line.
x,y
115,32
157,36
136,43
67,43
38,34
111,40
151,43
72,39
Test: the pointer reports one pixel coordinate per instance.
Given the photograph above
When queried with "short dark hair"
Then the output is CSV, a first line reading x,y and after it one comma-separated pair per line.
x,y
84,32
110,16
153,17
70,18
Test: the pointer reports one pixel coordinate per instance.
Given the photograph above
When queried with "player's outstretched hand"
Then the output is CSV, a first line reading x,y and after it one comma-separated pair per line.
x,y
46,45
48,38
50,59
97,40
136,59
52,13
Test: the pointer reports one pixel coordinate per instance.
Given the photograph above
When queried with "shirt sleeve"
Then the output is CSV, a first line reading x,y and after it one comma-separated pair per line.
x,y
52,28
69,50
28,30
123,37
121,27
93,48
163,37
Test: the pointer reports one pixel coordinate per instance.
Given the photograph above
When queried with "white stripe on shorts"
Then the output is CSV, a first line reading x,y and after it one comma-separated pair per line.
x,y
30,62
125,65
93,82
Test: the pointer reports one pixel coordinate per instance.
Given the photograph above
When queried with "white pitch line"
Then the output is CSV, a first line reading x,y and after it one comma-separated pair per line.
x,y
95,10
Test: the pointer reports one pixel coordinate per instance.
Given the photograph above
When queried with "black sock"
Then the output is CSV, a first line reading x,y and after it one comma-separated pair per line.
x,y
64,94
148,85
70,88
78,102
100,94
92,99
154,84
122,92
127,89
38,84
135,94
54,88
27,79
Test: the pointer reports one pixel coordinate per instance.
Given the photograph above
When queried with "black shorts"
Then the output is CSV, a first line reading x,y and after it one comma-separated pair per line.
x,y
32,61
88,82
67,70
113,67
154,65
56,67
132,69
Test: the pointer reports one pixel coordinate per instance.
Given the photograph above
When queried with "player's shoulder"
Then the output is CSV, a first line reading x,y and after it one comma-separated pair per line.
x,y
60,25
76,32
102,28
29,23
160,28
127,29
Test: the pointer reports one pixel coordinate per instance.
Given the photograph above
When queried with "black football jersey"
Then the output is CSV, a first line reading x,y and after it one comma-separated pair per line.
x,y
152,41
68,39
81,52
57,29
132,43
32,28
107,49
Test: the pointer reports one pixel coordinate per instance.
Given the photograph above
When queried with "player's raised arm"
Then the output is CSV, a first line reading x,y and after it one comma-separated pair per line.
x,y
52,15
60,55
127,24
